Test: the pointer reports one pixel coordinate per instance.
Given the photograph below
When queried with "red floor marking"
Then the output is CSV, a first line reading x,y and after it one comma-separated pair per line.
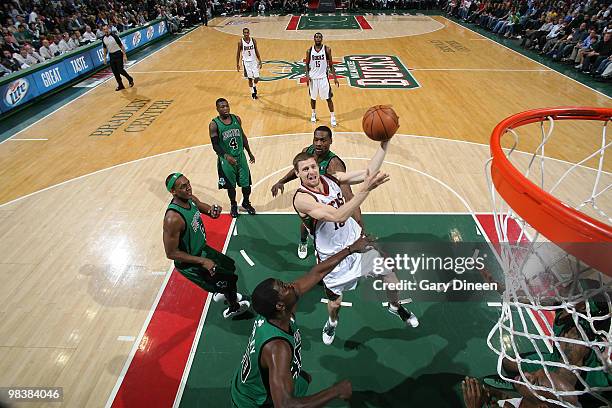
x,y
488,225
153,378
363,22
293,23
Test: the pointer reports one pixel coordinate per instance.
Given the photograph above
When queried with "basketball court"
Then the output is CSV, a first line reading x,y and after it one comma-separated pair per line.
x,y
89,301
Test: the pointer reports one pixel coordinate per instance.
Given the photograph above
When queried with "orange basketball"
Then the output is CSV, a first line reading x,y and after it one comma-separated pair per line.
x,y
380,123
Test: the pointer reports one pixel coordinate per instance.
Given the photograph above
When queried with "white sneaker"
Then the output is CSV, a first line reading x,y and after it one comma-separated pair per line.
x,y
313,118
333,122
329,333
302,250
220,297
244,306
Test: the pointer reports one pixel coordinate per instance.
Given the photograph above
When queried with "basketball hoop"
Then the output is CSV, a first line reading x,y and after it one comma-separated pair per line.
x,y
553,223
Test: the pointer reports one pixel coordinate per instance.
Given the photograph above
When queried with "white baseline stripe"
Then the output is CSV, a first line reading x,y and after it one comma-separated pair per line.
x,y
126,338
25,140
113,393
246,257
194,346
347,304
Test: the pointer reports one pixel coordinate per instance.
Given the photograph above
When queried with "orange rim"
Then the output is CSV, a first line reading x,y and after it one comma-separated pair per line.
x,y
578,234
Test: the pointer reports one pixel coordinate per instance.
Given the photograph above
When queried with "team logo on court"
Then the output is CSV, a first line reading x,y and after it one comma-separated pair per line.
x,y
136,38
16,91
150,32
361,71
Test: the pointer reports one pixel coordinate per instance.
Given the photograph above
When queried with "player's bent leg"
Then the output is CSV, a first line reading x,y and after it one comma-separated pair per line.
x,y
302,251
333,309
330,105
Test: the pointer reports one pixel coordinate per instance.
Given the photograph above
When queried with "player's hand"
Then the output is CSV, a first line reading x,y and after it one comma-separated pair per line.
x,y
209,265
472,393
336,82
345,389
124,59
260,65
363,244
251,159
307,80
230,160
104,61
215,211
373,180
238,68
276,188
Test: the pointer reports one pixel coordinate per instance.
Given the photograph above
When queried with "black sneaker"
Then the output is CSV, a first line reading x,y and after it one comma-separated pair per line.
x,y
248,208
234,211
254,95
119,88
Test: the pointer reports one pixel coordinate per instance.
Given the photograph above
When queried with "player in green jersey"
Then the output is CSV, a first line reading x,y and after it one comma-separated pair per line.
x,y
329,163
271,372
185,244
229,142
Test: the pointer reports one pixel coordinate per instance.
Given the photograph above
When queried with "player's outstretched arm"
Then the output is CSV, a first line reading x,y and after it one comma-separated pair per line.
x,y
306,204
276,357
358,176
318,272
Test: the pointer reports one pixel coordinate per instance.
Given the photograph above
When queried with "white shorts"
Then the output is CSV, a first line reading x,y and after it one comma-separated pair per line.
x,y
346,275
251,69
320,88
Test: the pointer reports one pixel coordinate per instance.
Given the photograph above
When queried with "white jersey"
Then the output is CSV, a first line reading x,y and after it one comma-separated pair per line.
x,y
248,50
330,237
317,68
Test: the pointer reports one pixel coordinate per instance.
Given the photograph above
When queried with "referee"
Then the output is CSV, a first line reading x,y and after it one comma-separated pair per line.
x,y
111,43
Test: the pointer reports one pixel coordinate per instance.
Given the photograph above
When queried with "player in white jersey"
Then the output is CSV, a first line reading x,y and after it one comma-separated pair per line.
x,y
323,209
251,60
318,63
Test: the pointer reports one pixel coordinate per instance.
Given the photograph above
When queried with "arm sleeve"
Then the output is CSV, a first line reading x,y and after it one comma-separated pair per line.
x,y
217,147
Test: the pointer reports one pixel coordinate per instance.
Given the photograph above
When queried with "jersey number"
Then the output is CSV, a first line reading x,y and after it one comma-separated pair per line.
x,y
233,143
317,63
249,53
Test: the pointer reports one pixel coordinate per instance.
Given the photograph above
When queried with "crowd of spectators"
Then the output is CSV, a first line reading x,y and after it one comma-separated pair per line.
x,y
34,31
574,32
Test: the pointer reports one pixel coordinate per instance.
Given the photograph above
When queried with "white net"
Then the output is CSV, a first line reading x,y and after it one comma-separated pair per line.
x,y
554,336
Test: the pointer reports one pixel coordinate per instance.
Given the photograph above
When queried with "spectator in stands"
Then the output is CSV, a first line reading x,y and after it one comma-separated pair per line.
x,y
88,35
9,62
564,47
63,43
24,58
601,50
45,50
74,42
33,54
583,47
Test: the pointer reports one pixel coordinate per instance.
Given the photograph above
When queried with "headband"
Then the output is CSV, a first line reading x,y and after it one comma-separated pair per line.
x,y
172,180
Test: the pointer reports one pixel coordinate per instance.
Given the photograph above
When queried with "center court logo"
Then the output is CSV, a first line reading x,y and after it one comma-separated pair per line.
x,y
16,91
361,71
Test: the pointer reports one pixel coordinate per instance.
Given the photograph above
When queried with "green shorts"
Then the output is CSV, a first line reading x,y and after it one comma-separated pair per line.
x,y
230,175
225,272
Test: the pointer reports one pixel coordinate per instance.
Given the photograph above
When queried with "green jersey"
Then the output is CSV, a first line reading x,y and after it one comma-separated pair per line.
x,y
193,238
230,136
250,386
323,161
